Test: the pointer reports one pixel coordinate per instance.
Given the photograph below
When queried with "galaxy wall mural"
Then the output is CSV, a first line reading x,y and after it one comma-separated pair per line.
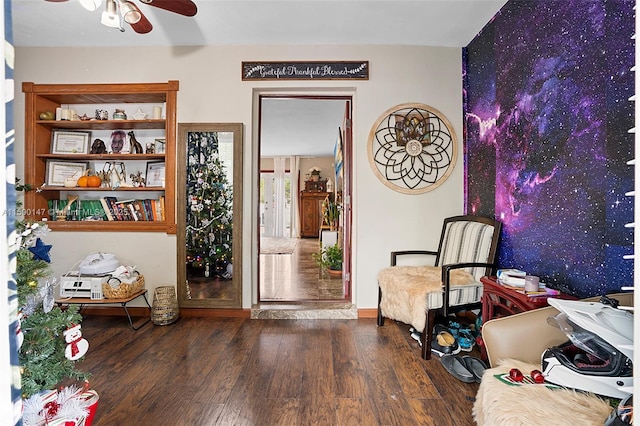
x,y
547,113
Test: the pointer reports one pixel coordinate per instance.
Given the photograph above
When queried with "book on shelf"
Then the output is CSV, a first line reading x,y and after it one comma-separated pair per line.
x,y
148,210
82,210
127,212
138,208
116,211
107,209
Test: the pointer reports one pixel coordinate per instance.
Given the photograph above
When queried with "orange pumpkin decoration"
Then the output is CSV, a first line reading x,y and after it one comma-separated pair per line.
x,y
83,180
94,181
90,181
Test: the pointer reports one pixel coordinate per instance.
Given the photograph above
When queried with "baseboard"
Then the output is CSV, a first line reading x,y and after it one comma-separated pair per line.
x,y
368,313
195,312
184,312
215,313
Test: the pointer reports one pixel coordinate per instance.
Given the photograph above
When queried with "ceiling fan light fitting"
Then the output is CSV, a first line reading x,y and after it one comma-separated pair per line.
x,y
109,21
91,5
130,13
110,16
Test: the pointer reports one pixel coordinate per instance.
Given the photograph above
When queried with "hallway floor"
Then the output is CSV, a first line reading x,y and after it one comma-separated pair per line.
x,y
296,277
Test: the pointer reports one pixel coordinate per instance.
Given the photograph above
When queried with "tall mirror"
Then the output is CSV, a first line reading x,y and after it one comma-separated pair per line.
x,y
209,215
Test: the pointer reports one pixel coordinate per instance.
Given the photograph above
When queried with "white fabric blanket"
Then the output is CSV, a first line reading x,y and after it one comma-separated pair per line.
x,y
405,290
498,403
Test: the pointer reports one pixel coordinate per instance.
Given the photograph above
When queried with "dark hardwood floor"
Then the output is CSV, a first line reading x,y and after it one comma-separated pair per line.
x,y
237,371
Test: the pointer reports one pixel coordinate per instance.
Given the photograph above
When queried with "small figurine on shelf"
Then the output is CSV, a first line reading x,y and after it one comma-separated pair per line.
x,y
137,179
314,173
98,147
117,141
119,115
150,149
136,147
140,115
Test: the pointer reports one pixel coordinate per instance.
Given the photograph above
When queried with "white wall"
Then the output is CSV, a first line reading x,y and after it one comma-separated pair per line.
x,y
211,90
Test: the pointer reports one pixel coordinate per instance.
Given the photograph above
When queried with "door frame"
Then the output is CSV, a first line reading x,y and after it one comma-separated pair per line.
x,y
346,94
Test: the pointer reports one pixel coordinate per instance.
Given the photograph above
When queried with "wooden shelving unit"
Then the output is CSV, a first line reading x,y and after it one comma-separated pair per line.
x,y
85,98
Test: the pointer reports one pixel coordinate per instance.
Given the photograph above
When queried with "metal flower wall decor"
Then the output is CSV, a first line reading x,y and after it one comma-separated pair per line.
x,y
412,148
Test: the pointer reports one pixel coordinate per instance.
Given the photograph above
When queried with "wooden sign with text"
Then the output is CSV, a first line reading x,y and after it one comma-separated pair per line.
x,y
338,70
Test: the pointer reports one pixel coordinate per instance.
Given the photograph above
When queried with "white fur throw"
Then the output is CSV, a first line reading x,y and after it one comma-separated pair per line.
x,y
498,403
405,290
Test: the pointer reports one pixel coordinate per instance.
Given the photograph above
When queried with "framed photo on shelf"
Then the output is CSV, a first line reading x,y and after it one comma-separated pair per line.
x,y
58,171
160,144
70,142
155,174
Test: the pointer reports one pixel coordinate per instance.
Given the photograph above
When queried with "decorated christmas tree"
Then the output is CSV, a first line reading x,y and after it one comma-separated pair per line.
x,y
49,339
209,209
46,358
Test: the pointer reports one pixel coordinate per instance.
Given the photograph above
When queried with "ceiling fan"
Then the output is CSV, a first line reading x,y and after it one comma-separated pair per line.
x,y
117,11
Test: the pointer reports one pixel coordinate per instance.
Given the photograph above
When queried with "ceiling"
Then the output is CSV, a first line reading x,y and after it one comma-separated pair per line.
x,y
303,127
312,124
451,23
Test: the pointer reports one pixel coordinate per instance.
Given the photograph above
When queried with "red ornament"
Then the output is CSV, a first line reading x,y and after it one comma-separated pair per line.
x,y
537,376
51,409
516,375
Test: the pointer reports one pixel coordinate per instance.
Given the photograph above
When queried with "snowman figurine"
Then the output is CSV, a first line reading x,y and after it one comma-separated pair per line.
x,y
76,345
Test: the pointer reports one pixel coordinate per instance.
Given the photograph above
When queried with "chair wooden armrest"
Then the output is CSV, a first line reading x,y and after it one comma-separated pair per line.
x,y
446,273
396,254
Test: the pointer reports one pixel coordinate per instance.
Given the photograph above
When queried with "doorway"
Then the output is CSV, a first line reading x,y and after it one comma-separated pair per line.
x,y
304,150
275,204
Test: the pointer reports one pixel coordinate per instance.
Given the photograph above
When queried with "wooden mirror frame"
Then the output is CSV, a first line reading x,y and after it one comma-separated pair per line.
x,y
235,300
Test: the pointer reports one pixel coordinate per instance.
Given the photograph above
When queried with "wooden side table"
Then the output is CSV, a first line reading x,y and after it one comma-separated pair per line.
x,y
499,301
82,301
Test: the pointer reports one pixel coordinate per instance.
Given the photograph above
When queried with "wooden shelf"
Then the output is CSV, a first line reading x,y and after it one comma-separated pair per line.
x,y
102,124
102,157
88,189
85,97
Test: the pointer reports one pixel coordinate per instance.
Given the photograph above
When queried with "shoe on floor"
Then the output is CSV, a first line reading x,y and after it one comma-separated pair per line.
x,y
466,339
443,341
475,366
457,368
416,335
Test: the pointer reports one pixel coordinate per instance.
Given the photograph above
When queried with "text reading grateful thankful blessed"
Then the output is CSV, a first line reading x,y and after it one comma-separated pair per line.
x,y
305,70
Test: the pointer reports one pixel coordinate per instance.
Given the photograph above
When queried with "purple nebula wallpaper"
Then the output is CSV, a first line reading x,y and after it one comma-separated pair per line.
x,y
547,113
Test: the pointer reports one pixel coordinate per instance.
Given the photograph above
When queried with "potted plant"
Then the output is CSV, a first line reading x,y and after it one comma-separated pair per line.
x,y
331,213
330,259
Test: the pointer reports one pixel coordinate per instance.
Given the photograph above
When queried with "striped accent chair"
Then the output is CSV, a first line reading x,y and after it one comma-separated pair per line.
x,y
467,243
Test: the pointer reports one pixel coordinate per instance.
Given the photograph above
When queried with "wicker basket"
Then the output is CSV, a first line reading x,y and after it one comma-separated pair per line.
x,y
123,290
164,309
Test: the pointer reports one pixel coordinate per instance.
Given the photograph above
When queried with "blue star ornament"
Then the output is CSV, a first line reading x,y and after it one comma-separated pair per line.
x,y
41,251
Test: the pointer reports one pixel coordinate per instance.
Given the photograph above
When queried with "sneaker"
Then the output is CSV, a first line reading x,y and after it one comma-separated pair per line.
x,y
466,340
463,335
416,335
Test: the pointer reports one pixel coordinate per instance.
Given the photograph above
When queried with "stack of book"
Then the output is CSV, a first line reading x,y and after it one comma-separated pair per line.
x,y
110,209
135,209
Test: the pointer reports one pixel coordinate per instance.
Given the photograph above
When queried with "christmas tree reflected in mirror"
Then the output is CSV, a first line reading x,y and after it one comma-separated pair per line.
x,y
207,236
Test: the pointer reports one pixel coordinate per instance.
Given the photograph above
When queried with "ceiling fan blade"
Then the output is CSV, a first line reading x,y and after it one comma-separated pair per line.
x,y
143,26
181,7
